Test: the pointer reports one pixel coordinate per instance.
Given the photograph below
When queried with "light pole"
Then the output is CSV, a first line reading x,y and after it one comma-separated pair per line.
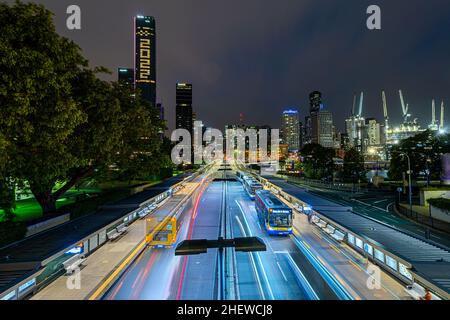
x,y
409,181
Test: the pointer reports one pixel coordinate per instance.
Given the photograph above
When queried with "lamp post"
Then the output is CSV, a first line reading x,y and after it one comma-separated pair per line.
x,y
428,171
409,181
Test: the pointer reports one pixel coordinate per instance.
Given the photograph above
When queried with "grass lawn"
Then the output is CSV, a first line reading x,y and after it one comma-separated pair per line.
x,y
29,209
93,194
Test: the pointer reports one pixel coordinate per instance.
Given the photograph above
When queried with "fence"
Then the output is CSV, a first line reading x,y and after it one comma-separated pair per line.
x,y
422,219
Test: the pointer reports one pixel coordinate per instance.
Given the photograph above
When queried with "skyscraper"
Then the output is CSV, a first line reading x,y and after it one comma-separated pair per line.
x,y
315,105
145,57
315,101
322,128
355,128
126,76
290,129
373,128
307,131
183,110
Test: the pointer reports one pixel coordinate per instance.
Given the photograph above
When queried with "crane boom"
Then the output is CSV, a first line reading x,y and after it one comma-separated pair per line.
x,y
354,105
385,110
404,107
361,101
433,112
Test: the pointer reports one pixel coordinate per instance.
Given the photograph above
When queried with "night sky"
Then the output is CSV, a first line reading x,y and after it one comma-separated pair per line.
x,y
260,57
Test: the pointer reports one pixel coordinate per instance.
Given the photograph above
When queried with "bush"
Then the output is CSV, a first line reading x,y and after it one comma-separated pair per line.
x,y
440,203
11,231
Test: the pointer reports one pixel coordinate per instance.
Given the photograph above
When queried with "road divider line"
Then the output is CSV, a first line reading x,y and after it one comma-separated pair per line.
x,y
282,273
266,279
252,260
304,283
355,265
319,265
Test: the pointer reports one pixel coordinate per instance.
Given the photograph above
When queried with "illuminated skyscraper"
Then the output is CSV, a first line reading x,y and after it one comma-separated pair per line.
x,y
290,129
322,128
373,128
315,101
145,57
184,115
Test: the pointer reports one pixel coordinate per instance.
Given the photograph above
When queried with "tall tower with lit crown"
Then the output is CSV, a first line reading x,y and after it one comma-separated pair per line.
x,y
145,57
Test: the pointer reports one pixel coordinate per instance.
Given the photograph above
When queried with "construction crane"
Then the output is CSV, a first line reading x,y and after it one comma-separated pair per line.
x,y
433,124
433,112
361,101
385,111
405,107
354,105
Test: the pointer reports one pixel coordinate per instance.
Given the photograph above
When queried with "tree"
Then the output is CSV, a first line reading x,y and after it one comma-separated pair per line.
x,y
63,124
7,199
425,151
38,113
317,161
354,169
141,147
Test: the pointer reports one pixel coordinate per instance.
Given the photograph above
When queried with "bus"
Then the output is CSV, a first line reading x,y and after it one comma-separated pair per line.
x,y
161,231
250,186
274,215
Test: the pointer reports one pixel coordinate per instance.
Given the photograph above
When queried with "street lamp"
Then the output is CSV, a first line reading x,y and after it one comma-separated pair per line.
x,y
409,180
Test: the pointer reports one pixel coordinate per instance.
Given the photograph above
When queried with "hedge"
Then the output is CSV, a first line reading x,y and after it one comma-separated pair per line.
x,y
440,203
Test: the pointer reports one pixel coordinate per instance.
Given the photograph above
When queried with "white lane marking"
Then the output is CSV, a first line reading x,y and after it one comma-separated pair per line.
x,y
369,205
281,270
390,204
266,279
258,280
379,201
302,277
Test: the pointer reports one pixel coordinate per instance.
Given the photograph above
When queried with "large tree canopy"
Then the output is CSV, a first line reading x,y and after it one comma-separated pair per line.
x,y
425,151
354,169
317,161
61,123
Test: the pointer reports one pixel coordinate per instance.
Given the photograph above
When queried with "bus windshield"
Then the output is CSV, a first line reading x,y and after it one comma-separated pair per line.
x,y
281,220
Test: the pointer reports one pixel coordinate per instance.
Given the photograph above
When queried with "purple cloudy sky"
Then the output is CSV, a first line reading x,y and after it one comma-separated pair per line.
x,y
260,57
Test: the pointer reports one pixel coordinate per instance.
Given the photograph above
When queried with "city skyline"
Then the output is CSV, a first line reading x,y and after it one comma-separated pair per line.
x,y
281,51
310,160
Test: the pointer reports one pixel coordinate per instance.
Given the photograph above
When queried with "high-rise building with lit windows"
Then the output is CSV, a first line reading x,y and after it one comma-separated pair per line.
x,y
290,129
184,114
145,57
322,128
373,128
